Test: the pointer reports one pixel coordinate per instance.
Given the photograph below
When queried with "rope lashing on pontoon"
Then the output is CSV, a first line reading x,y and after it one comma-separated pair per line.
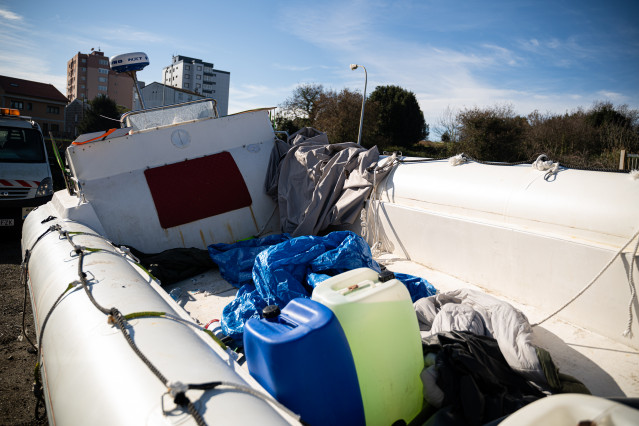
x,y
458,159
115,318
24,273
177,391
543,164
633,293
175,318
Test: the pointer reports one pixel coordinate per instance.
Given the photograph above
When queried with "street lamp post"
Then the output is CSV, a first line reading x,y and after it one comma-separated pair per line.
x,y
361,119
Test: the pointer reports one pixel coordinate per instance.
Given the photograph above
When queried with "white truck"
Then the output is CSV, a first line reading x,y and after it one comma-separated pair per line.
x,y
25,175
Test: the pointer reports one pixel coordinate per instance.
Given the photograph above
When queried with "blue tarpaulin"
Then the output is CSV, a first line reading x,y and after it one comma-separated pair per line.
x,y
277,268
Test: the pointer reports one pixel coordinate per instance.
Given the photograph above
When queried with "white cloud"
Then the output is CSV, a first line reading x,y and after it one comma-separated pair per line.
x,y
7,14
613,96
464,76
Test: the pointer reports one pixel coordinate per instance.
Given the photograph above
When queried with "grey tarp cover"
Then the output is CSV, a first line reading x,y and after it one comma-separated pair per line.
x,y
484,315
320,184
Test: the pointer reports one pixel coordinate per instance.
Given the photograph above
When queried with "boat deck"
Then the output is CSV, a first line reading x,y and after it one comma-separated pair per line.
x,y
606,367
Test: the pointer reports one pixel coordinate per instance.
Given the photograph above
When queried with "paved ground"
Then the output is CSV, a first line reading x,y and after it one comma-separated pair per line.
x,y
17,359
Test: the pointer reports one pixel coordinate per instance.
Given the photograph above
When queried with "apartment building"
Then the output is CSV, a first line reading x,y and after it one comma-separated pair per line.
x,y
89,75
40,101
200,77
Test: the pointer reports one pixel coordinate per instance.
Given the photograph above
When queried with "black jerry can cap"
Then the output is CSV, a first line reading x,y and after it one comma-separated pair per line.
x,y
271,312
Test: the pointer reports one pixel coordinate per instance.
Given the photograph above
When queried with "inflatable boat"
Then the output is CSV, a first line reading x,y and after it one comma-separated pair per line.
x,y
119,346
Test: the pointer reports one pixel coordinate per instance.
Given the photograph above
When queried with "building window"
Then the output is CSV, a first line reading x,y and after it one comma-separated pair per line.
x,y
214,75
83,78
187,76
102,88
103,70
104,62
187,67
53,110
82,86
186,85
29,106
199,68
102,79
83,69
198,85
17,104
199,77
84,60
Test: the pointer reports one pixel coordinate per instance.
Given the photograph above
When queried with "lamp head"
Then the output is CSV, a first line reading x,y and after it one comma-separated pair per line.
x,y
353,67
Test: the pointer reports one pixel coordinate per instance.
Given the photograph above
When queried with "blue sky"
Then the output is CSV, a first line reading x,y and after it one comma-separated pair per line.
x,y
551,56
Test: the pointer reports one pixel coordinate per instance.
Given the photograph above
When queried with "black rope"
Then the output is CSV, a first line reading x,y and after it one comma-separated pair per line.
x,y
24,274
116,316
84,282
515,163
193,411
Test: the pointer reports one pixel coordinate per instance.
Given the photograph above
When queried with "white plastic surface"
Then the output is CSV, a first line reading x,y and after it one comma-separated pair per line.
x,y
509,231
111,173
91,375
570,409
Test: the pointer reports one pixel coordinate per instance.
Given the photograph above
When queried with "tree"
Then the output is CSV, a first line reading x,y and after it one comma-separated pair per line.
x,y
590,138
302,104
338,115
448,126
400,120
286,124
493,134
100,115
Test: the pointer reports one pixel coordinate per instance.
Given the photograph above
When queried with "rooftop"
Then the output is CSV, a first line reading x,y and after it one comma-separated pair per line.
x,y
18,86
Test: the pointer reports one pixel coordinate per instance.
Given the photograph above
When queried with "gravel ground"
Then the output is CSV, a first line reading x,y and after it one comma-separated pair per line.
x,y
17,359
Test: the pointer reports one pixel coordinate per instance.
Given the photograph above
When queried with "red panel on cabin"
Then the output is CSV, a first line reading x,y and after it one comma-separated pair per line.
x,y
196,189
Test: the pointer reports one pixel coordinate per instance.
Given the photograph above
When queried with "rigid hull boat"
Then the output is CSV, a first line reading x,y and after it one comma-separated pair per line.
x,y
115,348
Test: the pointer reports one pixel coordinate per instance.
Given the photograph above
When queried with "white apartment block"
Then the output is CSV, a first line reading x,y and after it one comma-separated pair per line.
x,y
200,77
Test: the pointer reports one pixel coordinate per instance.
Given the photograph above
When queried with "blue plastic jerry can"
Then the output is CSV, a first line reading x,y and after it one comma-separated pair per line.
x,y
301,356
